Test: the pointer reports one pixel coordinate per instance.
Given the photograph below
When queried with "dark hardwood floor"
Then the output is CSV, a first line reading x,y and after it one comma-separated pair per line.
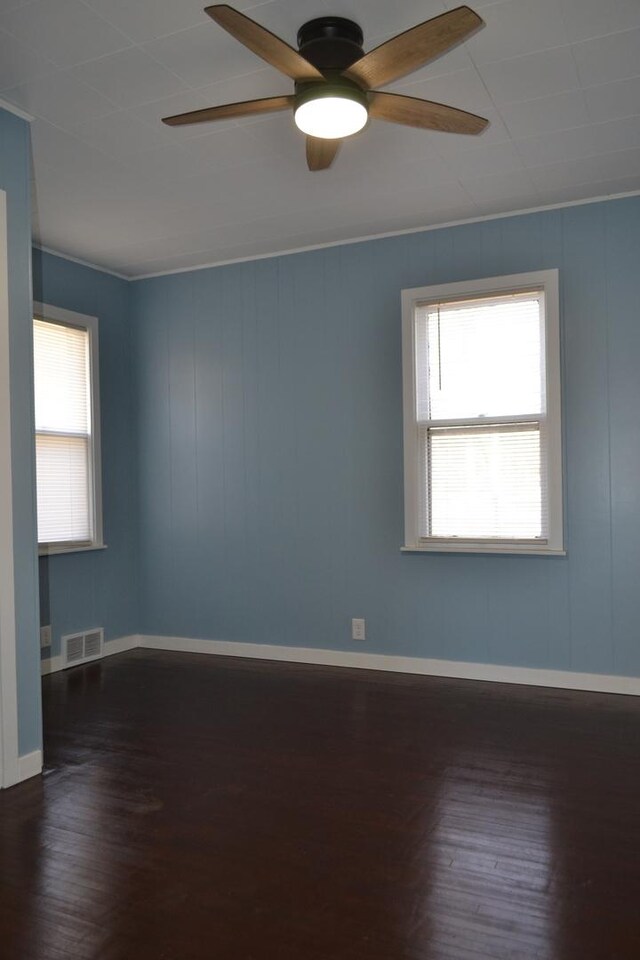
x,y
197,808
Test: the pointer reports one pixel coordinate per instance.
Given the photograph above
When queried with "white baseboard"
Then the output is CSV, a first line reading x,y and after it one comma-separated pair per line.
x,y
29,765
51,665
117,645
457,669
529,676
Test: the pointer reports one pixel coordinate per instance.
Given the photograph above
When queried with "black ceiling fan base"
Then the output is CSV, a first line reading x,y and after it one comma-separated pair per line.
x,y
331,43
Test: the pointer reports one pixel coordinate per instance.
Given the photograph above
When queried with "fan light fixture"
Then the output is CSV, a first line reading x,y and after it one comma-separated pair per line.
x,y
331,111
335,80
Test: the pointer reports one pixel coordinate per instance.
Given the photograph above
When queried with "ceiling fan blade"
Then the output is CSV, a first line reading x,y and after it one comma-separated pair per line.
x,y
423,114
414,48
321,153
246,108
264,43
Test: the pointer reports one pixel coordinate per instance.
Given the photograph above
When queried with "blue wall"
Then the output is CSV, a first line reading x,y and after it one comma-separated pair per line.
x,y
98,588
14,180
270,452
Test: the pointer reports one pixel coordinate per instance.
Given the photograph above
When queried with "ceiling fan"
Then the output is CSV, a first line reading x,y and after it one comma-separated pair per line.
x,y
334,78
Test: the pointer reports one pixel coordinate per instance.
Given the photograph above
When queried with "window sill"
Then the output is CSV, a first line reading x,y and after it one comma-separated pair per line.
x,y
527,550
52,550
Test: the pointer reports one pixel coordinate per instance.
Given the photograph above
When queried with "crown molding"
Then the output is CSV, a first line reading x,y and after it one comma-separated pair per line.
x,y
82,263
390,233
17,111
337,243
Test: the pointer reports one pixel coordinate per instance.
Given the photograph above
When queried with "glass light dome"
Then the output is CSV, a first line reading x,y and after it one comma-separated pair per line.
x,y
331,117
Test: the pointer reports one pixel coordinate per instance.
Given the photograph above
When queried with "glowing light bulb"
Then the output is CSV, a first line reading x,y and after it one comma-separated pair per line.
x,y
331,117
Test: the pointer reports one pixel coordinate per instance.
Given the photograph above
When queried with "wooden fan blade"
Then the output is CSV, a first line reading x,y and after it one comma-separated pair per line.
x,y
320,152
244,109
414,48
423,113
261,41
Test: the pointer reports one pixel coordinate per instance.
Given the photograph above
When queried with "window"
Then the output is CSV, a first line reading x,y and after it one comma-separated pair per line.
x,y
482,436
67,430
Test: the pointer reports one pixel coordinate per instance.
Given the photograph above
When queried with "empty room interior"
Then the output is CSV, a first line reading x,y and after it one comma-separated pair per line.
x,y
320,480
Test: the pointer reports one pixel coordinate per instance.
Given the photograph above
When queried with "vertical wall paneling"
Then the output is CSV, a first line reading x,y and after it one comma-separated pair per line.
x,y
623,256
270,452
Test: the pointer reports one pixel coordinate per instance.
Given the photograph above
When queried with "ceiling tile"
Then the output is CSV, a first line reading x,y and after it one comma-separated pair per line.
x,y
58,149
285,17
66,31
615,57
223,148
454,61
558,146
19,63
119,134
481,160
11,4
516,185
168,167
152,113
61,99
275,135
586,19
556,176
623,163
130,77
588,190
518,27
384,20
463,89
147,19
613,100
531,117
528,78
616,135
264,82
203,55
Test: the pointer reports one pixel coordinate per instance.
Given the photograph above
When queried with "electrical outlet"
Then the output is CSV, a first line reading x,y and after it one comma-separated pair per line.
x,y
357,629
45,637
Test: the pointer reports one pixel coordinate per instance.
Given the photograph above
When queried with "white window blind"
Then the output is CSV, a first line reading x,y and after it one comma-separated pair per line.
x,y
62,373
480,359
478,433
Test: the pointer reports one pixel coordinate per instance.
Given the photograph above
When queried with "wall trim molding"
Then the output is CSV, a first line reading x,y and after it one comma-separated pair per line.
x,y
29,765
383,236
456,669
16,110
111,647
336,243
82,263
8,668
422,666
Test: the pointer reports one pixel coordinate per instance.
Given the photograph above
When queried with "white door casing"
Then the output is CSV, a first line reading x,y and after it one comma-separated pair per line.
x,y
8,676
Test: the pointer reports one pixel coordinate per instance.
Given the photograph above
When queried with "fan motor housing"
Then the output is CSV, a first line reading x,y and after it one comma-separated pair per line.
x,y
337,86
331,43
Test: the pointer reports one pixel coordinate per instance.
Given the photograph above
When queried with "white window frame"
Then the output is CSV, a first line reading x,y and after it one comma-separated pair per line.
x,y
47,312
547,280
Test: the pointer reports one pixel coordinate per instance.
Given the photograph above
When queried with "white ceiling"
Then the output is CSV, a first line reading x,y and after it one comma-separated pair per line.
x,y
558,79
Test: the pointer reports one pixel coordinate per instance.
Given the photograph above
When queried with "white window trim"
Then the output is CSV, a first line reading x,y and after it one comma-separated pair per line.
x,y
45,311
554,545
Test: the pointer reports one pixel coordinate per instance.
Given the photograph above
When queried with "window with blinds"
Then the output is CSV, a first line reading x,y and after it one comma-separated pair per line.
x,y
66,441
482,416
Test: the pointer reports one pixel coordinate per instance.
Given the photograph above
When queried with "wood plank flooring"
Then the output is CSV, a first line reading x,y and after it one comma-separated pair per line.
x,y
200,808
